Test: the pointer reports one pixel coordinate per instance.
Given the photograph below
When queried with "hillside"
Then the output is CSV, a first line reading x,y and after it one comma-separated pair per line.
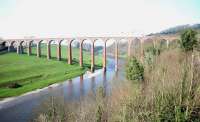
x,y
179,29
170,32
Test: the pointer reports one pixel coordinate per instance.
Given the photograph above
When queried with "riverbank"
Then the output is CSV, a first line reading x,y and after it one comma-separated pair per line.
x,y
5,101
21,73
8,100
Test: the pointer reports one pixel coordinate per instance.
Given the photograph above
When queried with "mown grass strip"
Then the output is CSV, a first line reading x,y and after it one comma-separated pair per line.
x,y
33,73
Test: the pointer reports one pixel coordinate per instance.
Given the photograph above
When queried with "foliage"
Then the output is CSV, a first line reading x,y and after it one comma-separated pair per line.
x,y
188,40
152,51
32,73
150,55
178,29
14,85
166,94
134,70
100,96
99,113
171,92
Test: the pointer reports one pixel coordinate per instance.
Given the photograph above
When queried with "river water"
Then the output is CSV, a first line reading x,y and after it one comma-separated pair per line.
x,y
22,108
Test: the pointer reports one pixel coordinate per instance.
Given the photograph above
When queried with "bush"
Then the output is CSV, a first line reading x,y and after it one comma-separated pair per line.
x,y
188,40
154,51
14,85
150,55
134,70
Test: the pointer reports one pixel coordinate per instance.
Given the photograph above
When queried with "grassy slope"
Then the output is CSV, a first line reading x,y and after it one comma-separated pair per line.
x,y
33,73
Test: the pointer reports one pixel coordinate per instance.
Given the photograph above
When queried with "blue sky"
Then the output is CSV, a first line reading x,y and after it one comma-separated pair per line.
x,y
6,6
44,18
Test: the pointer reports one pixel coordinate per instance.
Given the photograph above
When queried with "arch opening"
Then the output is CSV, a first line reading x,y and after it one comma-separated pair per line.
x,y
123,50
75,44
73,51
136,47
100,54
52,49
85,53
162,44
32,48
42,48
13,46
63,50
149,43
173,43
4,47
111,52
21,47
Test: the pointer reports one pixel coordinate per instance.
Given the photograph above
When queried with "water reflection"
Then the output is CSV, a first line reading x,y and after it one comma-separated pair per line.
x,y
68,90
105,83
93,85
71,90
79,87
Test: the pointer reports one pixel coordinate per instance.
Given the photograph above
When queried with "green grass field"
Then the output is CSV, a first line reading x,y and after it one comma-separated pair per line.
x,y
64,55
22,73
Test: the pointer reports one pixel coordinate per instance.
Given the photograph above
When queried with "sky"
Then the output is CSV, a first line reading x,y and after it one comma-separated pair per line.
x,y
73,18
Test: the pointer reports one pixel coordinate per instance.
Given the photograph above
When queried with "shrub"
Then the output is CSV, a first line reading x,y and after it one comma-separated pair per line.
x,y
188,40
99,114
14,85
134,70
150,55
154,51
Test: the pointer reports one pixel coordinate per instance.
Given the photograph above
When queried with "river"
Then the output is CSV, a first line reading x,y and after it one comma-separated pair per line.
x,y
22,108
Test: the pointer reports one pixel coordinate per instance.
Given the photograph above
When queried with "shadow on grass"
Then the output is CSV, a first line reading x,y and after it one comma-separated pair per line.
x,y
64,60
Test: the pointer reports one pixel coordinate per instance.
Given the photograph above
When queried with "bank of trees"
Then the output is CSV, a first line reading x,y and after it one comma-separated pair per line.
x,y
168,88
171,89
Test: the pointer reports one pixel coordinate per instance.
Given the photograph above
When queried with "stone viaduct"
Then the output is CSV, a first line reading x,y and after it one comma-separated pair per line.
x,y
29,42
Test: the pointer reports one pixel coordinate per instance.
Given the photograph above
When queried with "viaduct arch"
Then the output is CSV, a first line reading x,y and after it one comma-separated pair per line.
x,y
29,42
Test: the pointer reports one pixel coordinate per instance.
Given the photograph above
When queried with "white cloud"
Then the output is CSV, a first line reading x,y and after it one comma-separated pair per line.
x,y
51,18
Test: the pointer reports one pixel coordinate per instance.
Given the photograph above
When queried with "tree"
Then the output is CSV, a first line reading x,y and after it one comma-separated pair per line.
x,y
188,40
188,44
134,70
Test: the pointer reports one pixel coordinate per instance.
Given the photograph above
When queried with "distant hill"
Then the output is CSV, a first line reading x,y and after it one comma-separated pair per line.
x,y
178,29
170,32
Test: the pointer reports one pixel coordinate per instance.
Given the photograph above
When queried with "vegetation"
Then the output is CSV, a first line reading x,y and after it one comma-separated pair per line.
x,y
150,56
169,92
22,73
188,40
181,28
134,70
